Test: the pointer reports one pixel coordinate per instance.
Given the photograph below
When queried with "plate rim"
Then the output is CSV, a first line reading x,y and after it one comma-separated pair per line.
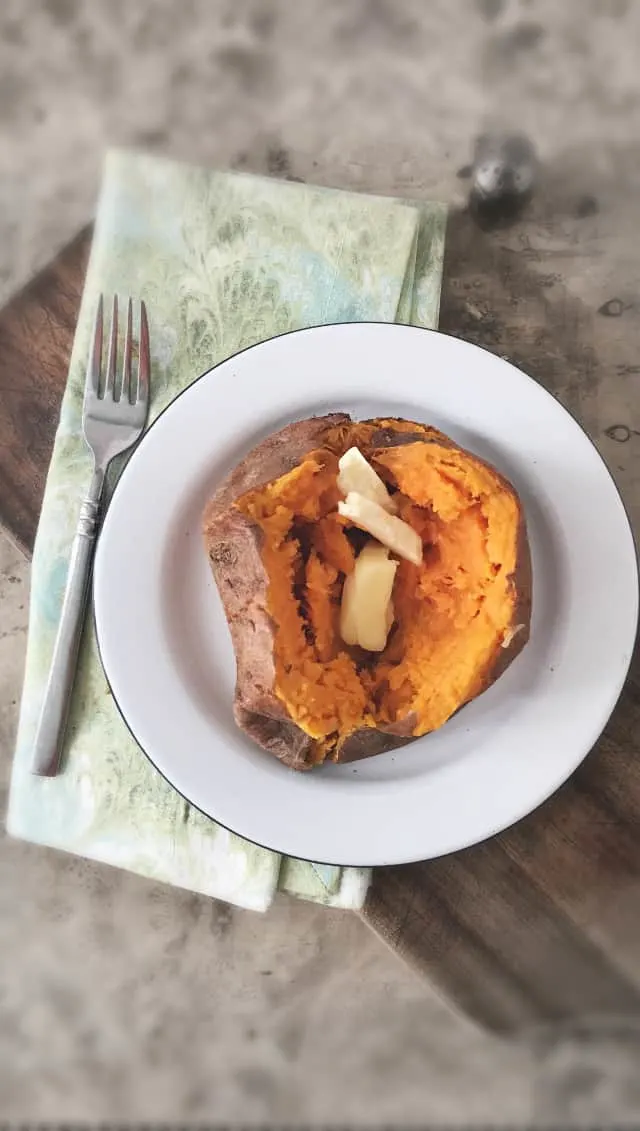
x,y
605,467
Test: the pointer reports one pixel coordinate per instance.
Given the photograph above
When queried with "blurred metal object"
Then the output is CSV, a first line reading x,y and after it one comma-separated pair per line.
x,y
503,172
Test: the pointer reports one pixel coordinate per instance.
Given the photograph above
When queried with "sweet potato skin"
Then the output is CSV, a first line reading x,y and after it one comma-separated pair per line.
x,y
233,544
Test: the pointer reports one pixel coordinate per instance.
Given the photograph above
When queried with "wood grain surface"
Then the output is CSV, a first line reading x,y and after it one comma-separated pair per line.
x,y
36,335
542,923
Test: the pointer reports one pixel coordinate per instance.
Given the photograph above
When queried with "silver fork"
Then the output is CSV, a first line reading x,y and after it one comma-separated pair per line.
x,y
112,420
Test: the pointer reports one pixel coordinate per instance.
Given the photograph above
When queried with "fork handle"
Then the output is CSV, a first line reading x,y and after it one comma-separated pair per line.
x,y
57,697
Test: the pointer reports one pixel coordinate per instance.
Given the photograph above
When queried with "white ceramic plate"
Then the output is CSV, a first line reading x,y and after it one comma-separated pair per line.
x,y
166,649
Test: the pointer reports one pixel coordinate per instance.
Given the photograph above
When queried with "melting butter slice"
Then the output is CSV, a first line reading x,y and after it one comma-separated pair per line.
x,y
348,618
366,611
395,534
355,473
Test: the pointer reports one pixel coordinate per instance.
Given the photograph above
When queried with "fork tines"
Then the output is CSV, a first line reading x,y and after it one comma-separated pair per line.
x,y
129,388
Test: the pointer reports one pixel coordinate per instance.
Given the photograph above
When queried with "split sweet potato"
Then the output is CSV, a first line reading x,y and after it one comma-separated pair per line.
x,y
280,553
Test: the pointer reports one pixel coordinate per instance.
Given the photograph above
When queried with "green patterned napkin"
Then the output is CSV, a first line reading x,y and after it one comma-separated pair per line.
x,y
223,260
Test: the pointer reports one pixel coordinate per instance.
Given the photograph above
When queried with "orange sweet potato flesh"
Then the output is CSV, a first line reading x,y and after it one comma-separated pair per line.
x,y
280,554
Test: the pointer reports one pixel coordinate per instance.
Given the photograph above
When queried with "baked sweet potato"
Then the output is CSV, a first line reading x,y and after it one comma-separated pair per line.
x,y
280,553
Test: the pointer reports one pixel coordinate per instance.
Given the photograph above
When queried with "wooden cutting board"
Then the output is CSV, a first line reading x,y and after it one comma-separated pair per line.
x,y
543,922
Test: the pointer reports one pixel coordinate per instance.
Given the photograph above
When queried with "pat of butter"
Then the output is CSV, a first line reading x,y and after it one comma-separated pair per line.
x,y
357,474
390,530
366,611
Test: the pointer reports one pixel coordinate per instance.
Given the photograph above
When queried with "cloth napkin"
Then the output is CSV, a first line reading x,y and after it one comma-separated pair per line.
x,y
223,260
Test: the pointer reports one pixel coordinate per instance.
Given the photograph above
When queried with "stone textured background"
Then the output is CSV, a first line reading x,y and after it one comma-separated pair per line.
x,y
124,1000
